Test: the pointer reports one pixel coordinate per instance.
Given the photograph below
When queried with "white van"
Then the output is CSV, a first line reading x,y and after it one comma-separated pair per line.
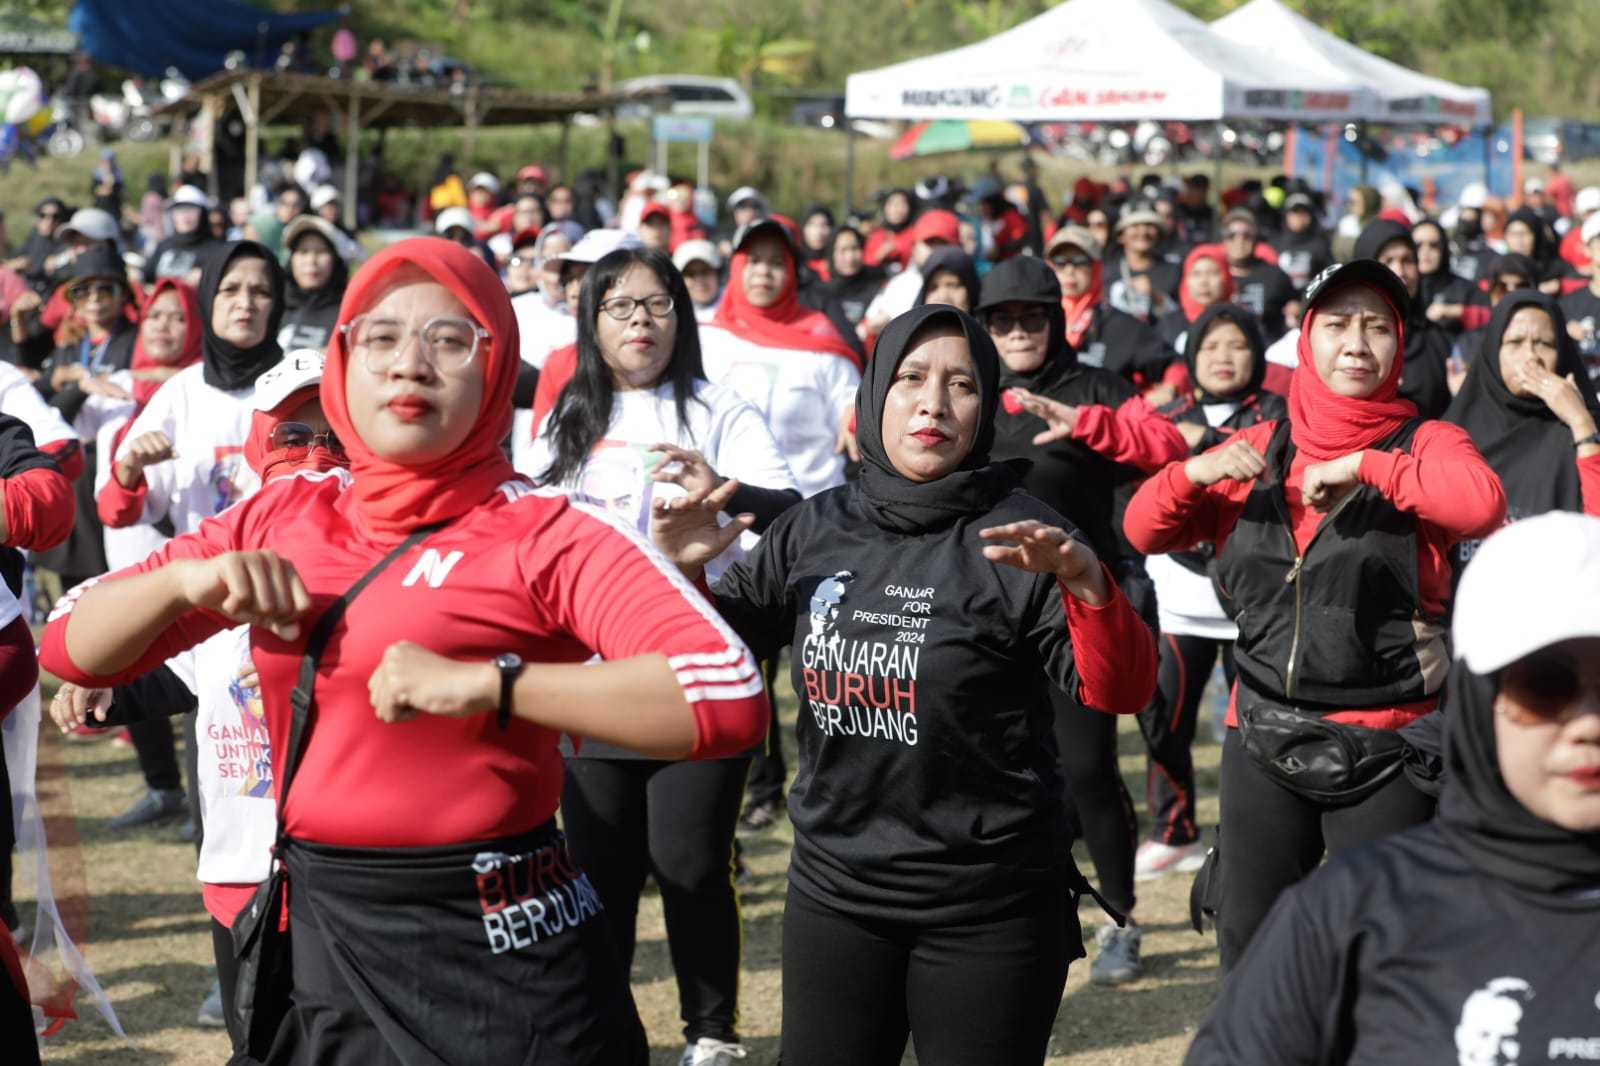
x,y
692,94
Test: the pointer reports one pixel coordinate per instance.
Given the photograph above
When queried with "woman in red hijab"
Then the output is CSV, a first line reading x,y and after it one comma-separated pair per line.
x,y
787,360
1331,529
434,912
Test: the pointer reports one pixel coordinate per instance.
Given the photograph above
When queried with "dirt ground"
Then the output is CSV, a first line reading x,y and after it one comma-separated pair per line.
x,y
148,938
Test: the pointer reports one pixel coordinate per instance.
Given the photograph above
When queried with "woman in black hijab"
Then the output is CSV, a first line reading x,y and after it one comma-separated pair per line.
x,y
1427,354
1529,407
1471,937
233,353
949,276
816,237
1442,294
1526,234
852,282
929,605
314,284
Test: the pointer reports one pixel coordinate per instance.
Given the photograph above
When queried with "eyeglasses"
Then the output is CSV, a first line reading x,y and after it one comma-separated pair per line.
x,y
448,342
1071,259
621,308
1545,686
297,437
1001,323
1240,235
106,290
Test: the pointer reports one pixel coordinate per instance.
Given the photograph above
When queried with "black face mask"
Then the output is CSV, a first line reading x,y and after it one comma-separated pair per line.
x,y
894,501
228,366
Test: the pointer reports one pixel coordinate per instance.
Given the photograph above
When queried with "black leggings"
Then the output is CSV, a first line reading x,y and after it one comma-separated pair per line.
x,y
627,819
854,989
1272,838
227,977
1168,725
1096,796
767,768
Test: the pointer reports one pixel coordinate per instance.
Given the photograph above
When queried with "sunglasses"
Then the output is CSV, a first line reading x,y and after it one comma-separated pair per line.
x,y
106,290
1545,686
1240,235
300,438
1067,259
1001,324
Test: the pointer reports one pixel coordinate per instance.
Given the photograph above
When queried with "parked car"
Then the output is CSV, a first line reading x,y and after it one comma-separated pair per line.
x,y
691,94
1558,140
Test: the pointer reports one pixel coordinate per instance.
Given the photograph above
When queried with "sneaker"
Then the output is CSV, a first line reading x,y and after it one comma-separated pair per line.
x,y
1154,859
80,734
121,739
156,805
708,1051
210,1015
759,817
1117,958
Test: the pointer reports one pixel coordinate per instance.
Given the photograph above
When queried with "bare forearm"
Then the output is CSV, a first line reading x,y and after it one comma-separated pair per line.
x,y
634,703
116,622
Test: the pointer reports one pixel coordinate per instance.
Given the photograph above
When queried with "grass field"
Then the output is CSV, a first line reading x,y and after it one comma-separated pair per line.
x,y
148,939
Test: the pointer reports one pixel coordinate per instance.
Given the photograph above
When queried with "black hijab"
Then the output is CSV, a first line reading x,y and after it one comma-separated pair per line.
x,y
860,287
1479,815
956,262
227,366
1435,283
1249,325
329,293
1543,252
1526,444
806,216
890,499
911,210
1029,279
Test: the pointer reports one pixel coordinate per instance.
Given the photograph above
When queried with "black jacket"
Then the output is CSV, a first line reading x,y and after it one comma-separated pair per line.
x,y
1403,952
178,254
1124,345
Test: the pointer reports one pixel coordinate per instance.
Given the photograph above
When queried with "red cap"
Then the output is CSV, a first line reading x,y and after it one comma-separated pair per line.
x,y
938,225
655,209
532,172
525,235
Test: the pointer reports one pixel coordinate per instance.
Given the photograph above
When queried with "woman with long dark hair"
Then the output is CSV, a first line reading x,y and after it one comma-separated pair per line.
x,y
639,422
314,285
433,910
852,281
929,605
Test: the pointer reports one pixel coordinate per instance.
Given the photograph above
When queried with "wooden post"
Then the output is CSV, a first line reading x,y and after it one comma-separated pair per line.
x,y
469,137
213,125
563,174
252,132
849,167
352,156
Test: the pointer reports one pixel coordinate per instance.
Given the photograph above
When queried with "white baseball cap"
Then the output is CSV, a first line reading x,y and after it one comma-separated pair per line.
x,y
189,196
454,218
1591,228
696,251
484,180
746,192
599,243
322,196
1532,584
92,223
295,371
1587,200
1533,185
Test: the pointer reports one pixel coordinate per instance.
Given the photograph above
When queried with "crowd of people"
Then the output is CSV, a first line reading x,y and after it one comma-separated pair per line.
x,y
505,544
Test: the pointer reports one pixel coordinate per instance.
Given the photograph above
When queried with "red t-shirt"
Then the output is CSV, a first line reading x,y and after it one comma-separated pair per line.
x,y
526,572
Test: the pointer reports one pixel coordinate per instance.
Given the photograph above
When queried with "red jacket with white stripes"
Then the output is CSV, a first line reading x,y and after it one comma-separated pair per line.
x,y
525,572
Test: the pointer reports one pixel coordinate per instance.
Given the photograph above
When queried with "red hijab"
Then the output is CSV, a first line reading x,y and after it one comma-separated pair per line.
x,y
786,324
1213,252
1325,425
392,499
1080,309
188,355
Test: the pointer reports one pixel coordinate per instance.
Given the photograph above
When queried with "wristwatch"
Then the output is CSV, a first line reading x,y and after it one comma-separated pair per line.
x,y
1593,438
510,666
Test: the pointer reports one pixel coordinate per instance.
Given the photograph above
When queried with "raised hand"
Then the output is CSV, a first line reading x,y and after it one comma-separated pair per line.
x,y
1043,549
685,468
1059,418
73,705
687,531
411,679
258,588
1560,394
1327,483
1236,460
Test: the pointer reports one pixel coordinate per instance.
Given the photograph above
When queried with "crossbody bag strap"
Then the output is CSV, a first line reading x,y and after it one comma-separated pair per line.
x,y
302,701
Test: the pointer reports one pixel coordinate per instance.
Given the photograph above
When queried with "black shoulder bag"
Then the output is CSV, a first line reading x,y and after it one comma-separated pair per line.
x,y
261,994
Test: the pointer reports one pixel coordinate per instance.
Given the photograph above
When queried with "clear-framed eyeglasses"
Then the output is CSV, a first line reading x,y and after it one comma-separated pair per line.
x,y
448,342
621,308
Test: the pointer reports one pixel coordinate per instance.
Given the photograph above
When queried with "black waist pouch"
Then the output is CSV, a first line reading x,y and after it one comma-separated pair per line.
x,y
1328,762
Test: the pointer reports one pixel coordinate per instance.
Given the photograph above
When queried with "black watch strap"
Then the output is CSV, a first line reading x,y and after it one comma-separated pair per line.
x,y
510,667
1593,438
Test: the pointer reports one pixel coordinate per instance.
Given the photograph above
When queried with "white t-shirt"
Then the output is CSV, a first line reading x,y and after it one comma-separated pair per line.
x,y
722,427
19,399
208,428
542,328
98,421
1285,351
898,296
804,397
1186,602
237,798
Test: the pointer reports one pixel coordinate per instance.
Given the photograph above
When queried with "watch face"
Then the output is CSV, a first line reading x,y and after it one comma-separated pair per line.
x,y
508,661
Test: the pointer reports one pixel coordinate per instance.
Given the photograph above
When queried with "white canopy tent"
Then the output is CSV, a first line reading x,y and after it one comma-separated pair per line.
x,y
1396,94
1105,60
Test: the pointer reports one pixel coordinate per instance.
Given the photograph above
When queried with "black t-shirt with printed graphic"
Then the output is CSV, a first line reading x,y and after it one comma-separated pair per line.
x,y
1582,308
1263,291
928,787
1402,952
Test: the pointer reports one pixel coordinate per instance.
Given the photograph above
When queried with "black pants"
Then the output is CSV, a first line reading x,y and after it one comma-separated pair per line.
x,y
147,705
767,769
627,819
1096,797
227,977
1168,725
854,989
1272,838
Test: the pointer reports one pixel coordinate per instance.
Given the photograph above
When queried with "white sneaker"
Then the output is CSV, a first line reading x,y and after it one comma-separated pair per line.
x,y
1117,961
708,1051
1154,859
